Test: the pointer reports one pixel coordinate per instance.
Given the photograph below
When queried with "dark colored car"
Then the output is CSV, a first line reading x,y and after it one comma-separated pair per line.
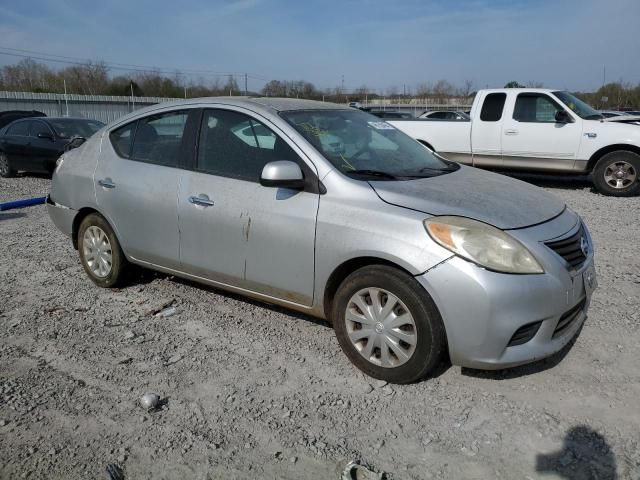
x,y
9,116
34,144
396,115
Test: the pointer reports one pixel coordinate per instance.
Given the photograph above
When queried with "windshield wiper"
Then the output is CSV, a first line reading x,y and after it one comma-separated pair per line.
x,y
372,173
594,117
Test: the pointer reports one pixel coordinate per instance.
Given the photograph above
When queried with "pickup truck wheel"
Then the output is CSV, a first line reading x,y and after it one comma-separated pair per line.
x,y
618,174
100,253
6,169
388,325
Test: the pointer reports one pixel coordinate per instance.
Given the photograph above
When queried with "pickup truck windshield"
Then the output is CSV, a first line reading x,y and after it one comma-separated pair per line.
x,y
364,146
578,107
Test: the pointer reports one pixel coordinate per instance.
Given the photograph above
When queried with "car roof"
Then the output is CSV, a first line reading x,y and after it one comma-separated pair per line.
x,y
523,90
276,104
33,113
69,118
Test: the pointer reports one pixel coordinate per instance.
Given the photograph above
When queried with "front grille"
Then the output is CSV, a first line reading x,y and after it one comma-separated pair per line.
x,y
571,248
524,334
567,319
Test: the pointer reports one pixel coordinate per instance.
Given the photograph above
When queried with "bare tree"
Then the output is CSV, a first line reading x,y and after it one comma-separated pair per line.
x,y
466,89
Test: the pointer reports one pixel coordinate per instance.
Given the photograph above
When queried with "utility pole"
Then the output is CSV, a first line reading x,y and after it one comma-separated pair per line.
x,y
230,84
246,91
66,102
133,100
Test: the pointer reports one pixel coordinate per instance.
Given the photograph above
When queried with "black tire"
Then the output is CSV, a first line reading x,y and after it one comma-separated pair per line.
x,y
431,338
6,168
116,273
607,165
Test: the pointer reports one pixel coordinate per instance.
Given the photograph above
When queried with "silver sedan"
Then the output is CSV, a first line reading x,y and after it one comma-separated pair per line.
x,y
333,212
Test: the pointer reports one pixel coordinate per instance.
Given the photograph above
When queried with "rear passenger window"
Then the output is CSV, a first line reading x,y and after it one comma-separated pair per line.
x,y
121,139
20,128
492,107
158,138
232,144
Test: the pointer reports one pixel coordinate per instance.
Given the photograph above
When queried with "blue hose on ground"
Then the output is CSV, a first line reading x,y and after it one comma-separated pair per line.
x,y
22,203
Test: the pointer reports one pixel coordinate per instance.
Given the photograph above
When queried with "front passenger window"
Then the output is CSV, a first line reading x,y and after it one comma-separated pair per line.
x,y
234,145
535,108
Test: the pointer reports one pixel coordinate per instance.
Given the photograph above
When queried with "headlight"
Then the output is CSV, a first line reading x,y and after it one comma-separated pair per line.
x,y
483,244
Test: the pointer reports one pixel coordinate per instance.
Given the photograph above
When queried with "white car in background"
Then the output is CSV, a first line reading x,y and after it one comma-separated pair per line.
x,y
445,115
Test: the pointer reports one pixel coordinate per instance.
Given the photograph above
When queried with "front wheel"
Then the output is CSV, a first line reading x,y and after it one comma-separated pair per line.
x,y
618,174
6,169
388,325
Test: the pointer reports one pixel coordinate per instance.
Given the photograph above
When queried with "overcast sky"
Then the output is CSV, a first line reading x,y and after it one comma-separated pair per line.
x,y
563,44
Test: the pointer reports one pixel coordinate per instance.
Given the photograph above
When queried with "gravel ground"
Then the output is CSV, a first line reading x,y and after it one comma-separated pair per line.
x,y
253,391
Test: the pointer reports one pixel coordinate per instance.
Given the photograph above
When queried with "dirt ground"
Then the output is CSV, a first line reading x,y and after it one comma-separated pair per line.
x,y
253,391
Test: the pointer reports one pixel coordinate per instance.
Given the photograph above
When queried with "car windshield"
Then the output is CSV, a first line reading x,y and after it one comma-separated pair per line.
x,y
362,145
67,127
578,107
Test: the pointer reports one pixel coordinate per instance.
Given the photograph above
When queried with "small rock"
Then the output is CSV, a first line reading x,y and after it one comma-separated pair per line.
x,y
293,459
387,390
380,383
150,401
174,359
167,312
129,335
3,423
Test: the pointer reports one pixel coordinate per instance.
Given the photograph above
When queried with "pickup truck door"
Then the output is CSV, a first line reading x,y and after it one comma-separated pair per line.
x,y
532,139
486,131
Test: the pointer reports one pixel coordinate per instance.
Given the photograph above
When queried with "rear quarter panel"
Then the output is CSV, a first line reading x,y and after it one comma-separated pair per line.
x,y
72,184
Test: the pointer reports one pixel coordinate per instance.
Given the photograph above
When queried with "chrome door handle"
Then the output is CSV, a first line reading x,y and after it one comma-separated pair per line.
x,y
106,183
202,201
511,132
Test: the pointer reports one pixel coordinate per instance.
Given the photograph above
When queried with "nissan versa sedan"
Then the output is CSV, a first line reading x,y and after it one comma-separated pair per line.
x,y
332,211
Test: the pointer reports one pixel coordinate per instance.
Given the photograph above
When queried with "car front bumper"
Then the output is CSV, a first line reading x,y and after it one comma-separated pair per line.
x,y
482,310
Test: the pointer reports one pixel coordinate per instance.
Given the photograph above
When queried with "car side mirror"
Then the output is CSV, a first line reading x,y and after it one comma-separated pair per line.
x,y
75,142
283,173
563,117
45,135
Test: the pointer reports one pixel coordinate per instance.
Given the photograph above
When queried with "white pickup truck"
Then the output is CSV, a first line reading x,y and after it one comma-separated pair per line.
x,y
538,130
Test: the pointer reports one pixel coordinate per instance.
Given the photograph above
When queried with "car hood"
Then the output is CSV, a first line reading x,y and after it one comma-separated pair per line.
x,y
468,192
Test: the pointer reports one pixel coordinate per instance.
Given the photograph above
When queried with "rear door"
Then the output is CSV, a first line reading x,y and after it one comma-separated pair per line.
x,y
232,229
136,184
486,131
534,140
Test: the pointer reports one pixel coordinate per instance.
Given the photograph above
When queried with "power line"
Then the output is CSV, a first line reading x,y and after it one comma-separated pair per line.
x,y
48,57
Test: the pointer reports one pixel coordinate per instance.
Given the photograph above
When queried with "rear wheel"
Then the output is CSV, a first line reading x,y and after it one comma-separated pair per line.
x,y
618,174
100,252
6,169
388,325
